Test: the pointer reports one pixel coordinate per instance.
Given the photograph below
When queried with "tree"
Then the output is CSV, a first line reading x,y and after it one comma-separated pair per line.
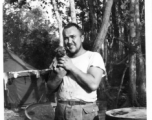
x,y
38,42
28,36
72,9
137,65
132,61
59,19
103,30
15,31
141,77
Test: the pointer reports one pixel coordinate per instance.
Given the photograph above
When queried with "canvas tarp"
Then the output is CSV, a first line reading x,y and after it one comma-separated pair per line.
x,y
25,89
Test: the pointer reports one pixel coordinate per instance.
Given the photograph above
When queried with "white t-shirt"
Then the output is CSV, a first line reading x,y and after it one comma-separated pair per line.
x,y
70,89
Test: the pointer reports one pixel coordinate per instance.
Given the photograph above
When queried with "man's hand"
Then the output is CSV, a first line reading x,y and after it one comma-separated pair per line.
x,y
55,76
65,62
61,72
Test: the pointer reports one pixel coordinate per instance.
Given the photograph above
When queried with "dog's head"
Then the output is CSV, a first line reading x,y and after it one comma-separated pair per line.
x,y
60,51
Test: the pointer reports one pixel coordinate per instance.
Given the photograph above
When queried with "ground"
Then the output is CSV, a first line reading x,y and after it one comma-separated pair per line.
x,y
11,115
43,111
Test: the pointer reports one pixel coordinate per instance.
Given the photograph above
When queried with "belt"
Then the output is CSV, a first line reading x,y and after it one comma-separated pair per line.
x,y
75,102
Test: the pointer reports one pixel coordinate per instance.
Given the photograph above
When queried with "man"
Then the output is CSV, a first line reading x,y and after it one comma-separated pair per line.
x,y
84,70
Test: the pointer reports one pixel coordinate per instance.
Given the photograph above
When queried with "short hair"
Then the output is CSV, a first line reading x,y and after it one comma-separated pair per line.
x,y
73,25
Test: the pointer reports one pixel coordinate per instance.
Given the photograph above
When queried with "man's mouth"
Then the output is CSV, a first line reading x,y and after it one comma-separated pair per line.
x,y
70,46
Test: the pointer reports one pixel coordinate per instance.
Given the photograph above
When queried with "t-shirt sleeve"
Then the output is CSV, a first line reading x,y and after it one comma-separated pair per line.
x,y
96,60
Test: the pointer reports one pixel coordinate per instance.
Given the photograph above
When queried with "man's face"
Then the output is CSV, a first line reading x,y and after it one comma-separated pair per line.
x,y
72,40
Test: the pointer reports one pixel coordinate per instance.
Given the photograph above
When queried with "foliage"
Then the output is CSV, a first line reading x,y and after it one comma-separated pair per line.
x,y
14,30
39,41
29,35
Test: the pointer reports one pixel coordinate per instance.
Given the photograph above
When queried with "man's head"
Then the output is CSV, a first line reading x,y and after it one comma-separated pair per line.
x,y
73,38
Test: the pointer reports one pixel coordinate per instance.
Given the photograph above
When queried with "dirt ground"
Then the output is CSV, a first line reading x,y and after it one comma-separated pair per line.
x,y
11,115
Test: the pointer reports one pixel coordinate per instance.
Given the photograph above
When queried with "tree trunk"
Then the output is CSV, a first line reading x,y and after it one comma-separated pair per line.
x,y
132,82
116,30
121,33
93,19
72,9
105,52
132,65
104,27
59,19
141,77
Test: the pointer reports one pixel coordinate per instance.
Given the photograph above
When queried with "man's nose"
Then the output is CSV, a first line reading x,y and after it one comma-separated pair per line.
x,y
70,40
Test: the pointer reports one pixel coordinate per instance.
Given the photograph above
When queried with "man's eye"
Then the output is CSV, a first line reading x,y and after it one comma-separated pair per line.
x,y
72,37
65,38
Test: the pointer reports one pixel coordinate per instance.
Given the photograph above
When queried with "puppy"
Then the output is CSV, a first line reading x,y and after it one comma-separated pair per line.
x,y
60,52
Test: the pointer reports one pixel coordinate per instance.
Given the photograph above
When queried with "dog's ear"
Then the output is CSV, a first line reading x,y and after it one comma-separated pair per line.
x,y
56,50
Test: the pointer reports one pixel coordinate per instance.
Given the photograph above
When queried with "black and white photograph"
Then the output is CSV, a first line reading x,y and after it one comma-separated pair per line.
x,y
76,59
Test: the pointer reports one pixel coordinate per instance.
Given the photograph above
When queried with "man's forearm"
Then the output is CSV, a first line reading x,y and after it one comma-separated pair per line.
x,y
54,80
87,81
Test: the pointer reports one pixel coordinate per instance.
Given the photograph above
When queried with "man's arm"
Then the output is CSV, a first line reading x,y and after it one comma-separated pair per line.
x,y
55,76
89,81
54,80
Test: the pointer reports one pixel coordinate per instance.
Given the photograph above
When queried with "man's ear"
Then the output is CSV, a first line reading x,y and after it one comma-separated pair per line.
x,y
82,38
